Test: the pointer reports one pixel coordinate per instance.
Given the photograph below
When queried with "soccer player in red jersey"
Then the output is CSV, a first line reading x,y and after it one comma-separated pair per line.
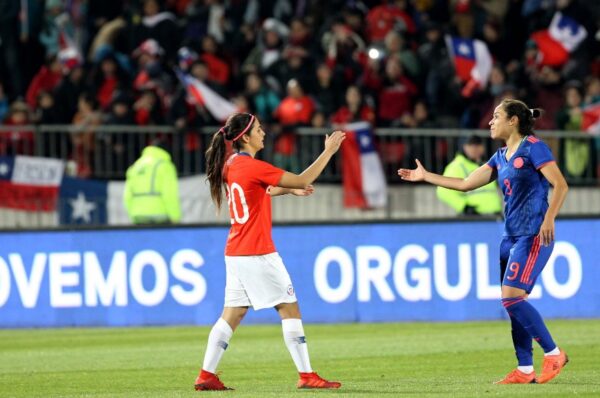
x,y
255,274
524,167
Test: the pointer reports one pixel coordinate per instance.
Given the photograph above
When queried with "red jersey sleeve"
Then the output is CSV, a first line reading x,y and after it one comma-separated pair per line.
x,y
267,173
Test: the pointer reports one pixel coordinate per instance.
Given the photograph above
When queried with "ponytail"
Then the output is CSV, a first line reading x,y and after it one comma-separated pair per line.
x,y
236,126
525,115
215,160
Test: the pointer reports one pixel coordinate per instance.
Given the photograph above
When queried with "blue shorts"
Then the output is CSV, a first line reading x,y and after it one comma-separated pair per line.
x,y
522,258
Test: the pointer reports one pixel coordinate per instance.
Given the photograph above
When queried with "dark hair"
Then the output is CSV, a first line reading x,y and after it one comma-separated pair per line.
x,y
526,116
474,140
217,150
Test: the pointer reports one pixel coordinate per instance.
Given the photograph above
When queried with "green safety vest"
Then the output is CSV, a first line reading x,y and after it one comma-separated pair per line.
x,y
485,199
151,188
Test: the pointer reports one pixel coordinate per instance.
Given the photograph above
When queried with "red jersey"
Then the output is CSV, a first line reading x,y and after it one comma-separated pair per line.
x,y
249,203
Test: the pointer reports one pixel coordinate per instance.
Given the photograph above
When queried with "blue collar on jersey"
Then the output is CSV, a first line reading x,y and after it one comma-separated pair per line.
x,y
244,154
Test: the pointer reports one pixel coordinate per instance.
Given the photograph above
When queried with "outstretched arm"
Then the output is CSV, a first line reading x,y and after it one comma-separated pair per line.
x,y
278,191
332,144
559,193
478,178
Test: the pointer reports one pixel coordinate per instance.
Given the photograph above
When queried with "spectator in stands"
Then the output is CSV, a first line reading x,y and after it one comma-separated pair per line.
x,y
47,79
71,85
147,109
420,118
157,24
268,49
570,118
57,26
344,50
45,109
17,141
108,78
83,148
437,69
395,46
150,74
396,94
151,194
218,69
9,50
263,101
383,18
327,90
483,200
592,90
294,110
354,110
296,64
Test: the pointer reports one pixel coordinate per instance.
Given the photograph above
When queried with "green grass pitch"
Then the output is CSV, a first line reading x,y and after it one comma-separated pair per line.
x,y
371,360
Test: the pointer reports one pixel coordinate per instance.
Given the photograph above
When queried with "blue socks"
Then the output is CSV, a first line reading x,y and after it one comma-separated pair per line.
x,y
531,322
522,342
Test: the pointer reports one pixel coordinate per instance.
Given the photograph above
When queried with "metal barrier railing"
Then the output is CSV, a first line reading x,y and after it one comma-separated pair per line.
x,y
105,152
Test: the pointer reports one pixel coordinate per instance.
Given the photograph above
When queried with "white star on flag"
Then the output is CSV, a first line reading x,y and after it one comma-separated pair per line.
x,y
4,169
464,49
82,209
364,141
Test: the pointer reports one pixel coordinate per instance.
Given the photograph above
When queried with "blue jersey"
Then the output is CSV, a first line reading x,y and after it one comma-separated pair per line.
x,y
524,187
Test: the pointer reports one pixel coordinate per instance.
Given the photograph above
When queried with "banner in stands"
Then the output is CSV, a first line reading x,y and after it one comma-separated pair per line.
x,y
341,273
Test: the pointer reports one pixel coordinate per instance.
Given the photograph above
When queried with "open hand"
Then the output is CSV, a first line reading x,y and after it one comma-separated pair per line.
x,y
333,141
413,175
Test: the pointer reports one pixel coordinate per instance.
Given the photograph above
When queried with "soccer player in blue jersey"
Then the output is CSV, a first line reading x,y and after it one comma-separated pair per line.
x,y
524,167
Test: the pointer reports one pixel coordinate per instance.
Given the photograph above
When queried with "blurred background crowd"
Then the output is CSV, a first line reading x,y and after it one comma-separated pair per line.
x,y
291,62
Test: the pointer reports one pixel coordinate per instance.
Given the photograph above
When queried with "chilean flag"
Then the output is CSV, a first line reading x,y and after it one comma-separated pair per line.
x,y
562,37
30,183
472,59
591,119
363,180
219,107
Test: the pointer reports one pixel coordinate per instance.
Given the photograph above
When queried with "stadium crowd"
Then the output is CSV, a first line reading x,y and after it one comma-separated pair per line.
x,y
291,62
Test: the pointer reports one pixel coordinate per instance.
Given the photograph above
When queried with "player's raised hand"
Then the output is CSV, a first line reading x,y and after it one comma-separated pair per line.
x,y
309,190
413,175
333,141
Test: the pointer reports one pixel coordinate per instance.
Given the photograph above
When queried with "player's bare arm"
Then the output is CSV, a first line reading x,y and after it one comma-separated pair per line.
x,y
559,193
278,191
480,177
308,176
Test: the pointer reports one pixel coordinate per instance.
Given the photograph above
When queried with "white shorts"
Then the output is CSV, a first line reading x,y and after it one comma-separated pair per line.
x,y
257,281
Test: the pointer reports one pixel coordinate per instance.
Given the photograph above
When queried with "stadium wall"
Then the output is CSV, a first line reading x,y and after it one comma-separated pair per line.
x,y
342,273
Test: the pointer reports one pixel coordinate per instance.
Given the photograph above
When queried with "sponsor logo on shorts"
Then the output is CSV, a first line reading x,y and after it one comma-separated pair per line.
x,y
290,290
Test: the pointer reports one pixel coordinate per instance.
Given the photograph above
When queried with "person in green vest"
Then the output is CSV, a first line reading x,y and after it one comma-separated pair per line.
x,y
484,200
151,188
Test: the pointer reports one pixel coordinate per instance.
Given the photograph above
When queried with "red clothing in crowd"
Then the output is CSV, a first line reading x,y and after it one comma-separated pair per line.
x,y
396,100
292,111
383,18
218,70
44,80
344,115
16,142
106,91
